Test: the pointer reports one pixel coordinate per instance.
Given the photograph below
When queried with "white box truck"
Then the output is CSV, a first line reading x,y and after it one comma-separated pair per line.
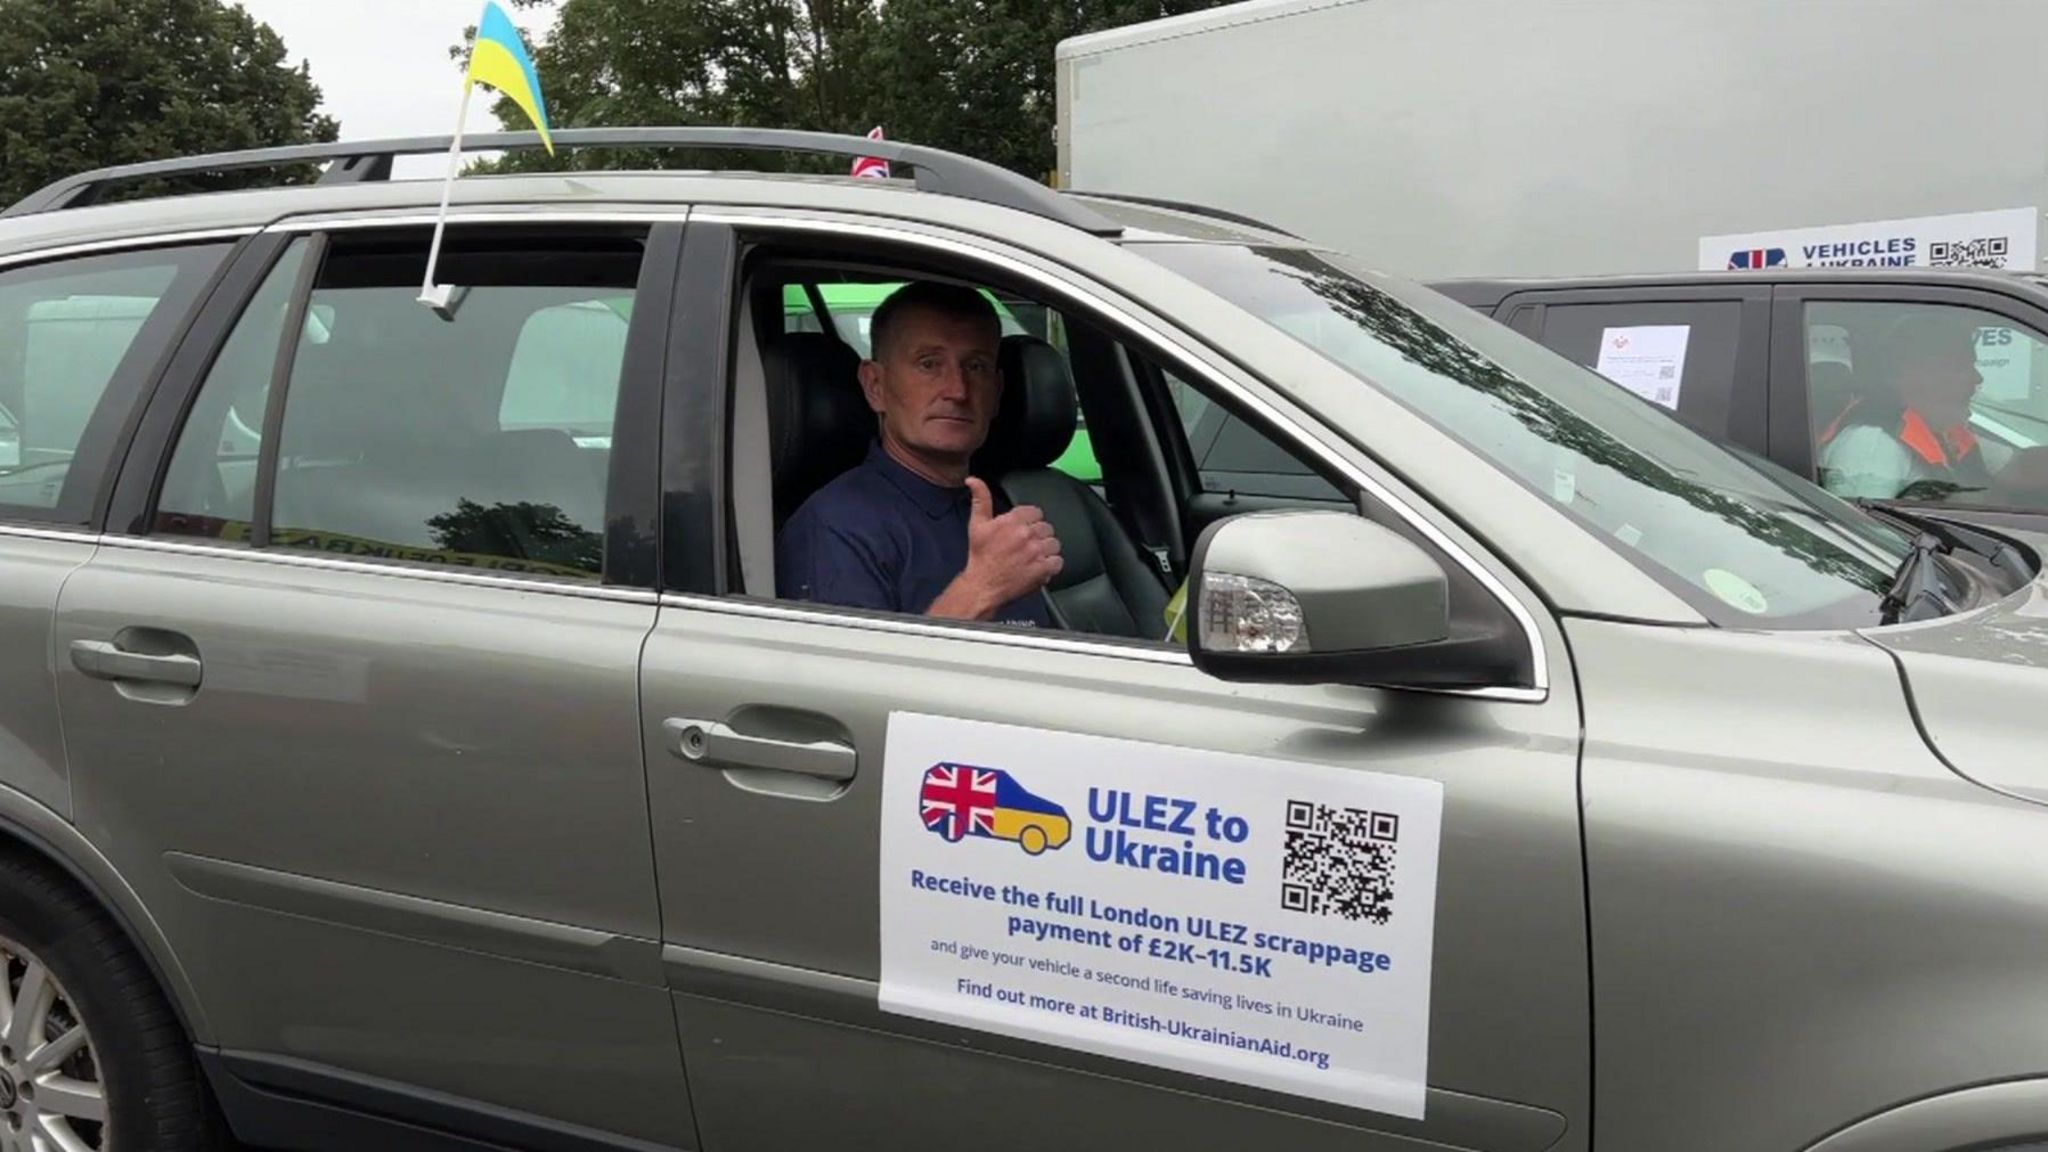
x,y
1444,138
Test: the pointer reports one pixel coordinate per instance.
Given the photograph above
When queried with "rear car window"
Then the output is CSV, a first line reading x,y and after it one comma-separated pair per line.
x,y
481,441
1679,355
69,331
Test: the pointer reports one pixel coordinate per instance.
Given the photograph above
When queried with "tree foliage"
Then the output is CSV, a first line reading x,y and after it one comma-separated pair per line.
x,y
974,76
88,83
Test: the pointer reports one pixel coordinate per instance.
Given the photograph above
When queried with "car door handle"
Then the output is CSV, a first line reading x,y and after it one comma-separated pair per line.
x,y
105,660
711,743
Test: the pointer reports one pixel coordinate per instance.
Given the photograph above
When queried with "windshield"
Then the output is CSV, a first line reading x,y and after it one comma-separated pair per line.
x,y
1749,545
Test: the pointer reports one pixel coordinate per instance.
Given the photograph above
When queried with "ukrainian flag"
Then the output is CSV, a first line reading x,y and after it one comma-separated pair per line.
x,y
500,60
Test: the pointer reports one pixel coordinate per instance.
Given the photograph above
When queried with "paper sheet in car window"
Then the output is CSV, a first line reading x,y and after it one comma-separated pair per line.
x,y
1647,359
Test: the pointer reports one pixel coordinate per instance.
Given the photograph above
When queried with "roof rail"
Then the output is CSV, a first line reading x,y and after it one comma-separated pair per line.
x,y
938,172
1183,206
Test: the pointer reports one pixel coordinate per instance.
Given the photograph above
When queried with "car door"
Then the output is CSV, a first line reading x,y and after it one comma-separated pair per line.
x,y
1832,356
65,396
767,727
1701,351
350,687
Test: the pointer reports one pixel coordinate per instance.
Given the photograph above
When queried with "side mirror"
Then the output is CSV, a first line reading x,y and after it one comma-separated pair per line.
x,y
1317,597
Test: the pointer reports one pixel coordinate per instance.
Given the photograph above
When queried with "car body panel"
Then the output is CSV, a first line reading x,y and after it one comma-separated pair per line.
x,y
26,824
33,567
829,1019
1789,886
2011,1116
1977,680
770,898
433,786
1489,294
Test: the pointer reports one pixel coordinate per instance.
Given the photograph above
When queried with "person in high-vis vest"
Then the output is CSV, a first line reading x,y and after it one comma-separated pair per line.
x,y
1913,439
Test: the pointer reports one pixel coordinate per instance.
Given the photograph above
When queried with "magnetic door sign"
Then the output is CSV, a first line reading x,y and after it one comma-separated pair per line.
x,y
1266,922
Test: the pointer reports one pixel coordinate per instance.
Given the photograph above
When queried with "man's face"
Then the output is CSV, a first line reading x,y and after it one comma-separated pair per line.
x,y
1941,376
935,385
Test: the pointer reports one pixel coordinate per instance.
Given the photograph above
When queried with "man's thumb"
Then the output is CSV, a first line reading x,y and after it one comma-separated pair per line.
x,y
984,506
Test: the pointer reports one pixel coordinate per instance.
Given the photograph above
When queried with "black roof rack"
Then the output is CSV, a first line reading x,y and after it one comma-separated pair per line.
x,y
937,172
1190,209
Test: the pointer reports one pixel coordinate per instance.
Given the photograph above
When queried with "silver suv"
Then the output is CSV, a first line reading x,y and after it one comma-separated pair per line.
x,y
403,743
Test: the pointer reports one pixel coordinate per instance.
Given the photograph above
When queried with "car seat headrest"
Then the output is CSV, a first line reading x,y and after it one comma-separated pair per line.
x,y
1035,421
819,423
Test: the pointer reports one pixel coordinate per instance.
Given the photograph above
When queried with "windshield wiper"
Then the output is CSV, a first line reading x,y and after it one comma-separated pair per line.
x,y
2003,557
1916,591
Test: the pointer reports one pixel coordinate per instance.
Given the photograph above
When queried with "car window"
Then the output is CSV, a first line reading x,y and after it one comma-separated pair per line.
x,y
66,330
1928,402
1679,355
211,481
1122,582
10,440
1232,456
1748,547
481,441
548,385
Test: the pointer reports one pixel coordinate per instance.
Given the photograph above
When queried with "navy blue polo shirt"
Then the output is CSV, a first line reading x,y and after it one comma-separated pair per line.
x,y
881,536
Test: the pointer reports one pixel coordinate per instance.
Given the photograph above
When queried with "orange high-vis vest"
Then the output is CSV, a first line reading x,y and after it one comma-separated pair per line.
x,y
1944,449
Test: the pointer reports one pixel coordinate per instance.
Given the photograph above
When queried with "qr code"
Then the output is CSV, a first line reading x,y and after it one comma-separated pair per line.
x,y
1339,862
1988,252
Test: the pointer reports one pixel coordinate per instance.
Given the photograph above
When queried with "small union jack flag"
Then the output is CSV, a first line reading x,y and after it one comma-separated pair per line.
x,y
1757,258
871,167
959,801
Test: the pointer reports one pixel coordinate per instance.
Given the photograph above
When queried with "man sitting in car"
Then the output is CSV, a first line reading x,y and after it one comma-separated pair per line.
x,y
1914,441
908,530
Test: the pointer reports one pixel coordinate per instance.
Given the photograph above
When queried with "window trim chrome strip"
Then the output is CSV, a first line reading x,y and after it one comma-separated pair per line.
x,y
1539,655
474,214
67,535
920,626
153,240
1077,644
402,571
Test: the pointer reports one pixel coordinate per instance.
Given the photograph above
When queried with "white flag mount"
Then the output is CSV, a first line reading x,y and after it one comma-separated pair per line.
x,y
442,298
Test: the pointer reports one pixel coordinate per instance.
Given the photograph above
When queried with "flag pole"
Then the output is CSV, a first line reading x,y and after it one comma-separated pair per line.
x,y
436,296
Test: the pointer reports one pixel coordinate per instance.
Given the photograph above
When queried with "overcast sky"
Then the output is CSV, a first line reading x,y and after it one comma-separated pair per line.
x,y
382,65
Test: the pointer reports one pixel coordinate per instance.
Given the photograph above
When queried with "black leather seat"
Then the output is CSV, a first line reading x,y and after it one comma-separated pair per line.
x,y
819,423
1108,585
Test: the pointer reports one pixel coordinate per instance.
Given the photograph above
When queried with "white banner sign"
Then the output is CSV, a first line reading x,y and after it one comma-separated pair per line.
x,y
2006,238
1260,921
2005,362
1647,359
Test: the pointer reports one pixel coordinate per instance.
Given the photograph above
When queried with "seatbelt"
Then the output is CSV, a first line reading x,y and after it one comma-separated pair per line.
x,y
1052,607
1162,558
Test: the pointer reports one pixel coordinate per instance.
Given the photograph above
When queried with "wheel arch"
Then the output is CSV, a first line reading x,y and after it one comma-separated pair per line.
x,y
27,828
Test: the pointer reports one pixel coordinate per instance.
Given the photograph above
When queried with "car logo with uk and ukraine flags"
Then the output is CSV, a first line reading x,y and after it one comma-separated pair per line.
x,y
957,801
1753,258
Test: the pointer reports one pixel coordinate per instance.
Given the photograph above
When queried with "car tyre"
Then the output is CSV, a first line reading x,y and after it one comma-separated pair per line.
x,y
1033,841
129,1078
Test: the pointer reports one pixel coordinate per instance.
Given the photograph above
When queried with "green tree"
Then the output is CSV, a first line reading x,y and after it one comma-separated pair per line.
x,y
977,76
779,63
973,76
88,83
